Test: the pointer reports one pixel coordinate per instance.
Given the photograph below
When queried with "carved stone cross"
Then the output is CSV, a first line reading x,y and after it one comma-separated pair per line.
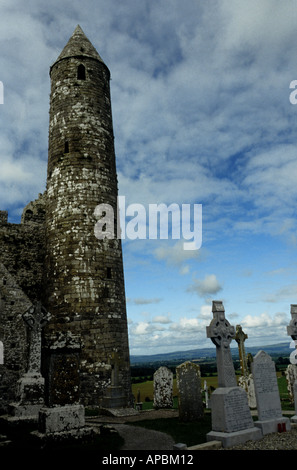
x,y
292,327
292,331
221,333
36,317
240,338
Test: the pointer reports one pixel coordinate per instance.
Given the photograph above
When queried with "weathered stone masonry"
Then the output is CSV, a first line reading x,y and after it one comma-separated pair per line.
x,y
78,278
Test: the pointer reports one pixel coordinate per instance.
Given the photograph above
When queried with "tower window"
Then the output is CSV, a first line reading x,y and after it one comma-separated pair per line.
x,y
105,293
108,273
66,147
81,72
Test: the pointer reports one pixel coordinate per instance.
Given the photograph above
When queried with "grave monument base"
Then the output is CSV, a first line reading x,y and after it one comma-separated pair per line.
x,y
272,425
114,398
58,424
232,423
230,439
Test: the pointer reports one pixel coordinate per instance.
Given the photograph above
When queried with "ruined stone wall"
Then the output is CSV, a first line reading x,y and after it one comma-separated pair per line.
x,y
22,248
84,282
21,277
13,334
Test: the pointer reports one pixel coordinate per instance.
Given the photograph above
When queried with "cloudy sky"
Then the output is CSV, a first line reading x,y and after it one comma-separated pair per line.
x,y
202,115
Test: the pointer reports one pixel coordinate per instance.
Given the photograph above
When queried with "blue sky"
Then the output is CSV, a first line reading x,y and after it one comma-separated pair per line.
x,y
201,112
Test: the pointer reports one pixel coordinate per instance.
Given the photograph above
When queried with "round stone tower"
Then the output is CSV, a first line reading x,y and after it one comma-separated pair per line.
x,y
84,280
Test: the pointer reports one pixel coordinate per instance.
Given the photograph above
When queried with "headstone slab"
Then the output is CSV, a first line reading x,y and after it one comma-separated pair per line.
x,y
266,387
267,394
230,410
163,388
232,423
190,403
62,363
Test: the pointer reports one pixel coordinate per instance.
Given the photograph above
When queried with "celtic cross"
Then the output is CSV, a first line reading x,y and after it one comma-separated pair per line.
x,y
221,333
292,327
240,339
35,318
292,331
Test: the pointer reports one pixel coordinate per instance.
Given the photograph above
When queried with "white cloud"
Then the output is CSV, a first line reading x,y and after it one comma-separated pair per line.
x,y
266,327
206,312
175,255
208,286
141,301
164,319
287,293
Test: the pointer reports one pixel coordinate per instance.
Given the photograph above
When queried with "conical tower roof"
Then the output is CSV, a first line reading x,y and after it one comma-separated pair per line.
x,y
79,45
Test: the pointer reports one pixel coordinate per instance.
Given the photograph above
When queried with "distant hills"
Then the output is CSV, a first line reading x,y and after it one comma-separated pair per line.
x,y
280,349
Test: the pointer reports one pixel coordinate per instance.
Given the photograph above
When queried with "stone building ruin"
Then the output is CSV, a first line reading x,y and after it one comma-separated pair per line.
x,y
53,256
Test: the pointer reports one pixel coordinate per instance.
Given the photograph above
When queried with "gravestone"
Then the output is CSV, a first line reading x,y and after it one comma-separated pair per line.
x,y
188,379
206,394
240,338
63,417
115,396
30,387
267,395
138,403
247,383
291,377
163,388
292,331
246,380
232,422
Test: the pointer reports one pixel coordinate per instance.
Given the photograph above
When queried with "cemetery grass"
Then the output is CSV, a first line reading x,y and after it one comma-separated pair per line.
x,y
190,433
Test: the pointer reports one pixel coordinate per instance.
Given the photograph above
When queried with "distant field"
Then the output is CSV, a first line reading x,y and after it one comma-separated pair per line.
x,y
146,389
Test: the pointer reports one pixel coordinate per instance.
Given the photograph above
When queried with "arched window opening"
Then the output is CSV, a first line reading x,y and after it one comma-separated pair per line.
x,y
81,72
66,148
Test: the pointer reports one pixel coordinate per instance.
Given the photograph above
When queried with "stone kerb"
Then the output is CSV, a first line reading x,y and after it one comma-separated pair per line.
x,y
188,379
163,388
267,395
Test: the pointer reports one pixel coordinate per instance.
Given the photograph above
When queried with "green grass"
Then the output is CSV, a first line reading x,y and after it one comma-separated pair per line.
x,y
190,433
284,395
